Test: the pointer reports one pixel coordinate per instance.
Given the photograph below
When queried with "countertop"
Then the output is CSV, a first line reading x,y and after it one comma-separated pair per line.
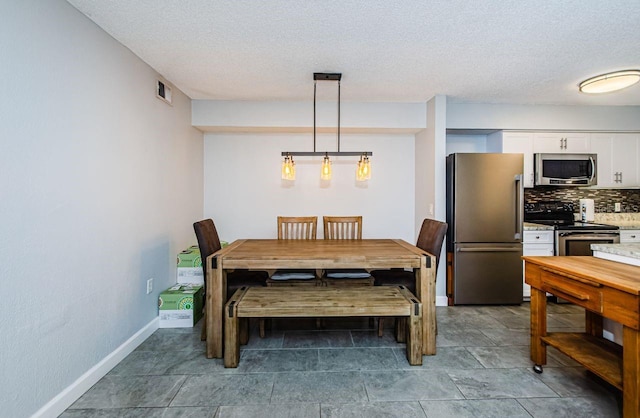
x,y
624,250
530,226
621,220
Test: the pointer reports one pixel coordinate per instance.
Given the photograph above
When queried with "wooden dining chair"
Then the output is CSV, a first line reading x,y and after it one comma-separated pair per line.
x,y
296,228
341,228
430,239
209,243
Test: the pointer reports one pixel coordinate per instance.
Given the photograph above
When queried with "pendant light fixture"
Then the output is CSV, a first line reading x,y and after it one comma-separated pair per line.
x,y
288,166
609,82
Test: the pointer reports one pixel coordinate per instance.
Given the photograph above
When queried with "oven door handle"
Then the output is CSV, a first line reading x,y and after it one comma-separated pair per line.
x,y
588,235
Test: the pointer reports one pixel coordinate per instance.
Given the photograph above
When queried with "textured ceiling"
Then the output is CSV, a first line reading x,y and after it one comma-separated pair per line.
x,y
492,51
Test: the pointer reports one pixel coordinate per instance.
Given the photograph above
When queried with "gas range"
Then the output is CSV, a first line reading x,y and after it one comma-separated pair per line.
x,y
560,215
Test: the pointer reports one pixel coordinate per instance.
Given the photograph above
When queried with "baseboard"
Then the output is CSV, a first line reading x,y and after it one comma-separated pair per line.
x,y
442,301
68,396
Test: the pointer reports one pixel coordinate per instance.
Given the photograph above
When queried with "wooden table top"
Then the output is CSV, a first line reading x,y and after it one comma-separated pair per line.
x,y
366,253
624,277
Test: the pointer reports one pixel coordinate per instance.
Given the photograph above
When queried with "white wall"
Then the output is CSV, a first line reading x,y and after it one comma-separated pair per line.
x,y
244,192
100,183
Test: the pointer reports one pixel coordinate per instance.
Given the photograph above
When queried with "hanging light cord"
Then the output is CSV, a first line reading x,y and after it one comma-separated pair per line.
x,y
315,85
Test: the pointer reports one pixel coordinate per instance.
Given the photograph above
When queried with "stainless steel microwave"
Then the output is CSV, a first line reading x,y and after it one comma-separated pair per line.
x,y
565,169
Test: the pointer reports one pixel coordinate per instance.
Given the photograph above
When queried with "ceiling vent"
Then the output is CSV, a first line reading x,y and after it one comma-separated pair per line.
x,y
163,92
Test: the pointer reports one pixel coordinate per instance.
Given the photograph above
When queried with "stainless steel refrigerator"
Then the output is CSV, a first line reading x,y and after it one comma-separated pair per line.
x,y
485,199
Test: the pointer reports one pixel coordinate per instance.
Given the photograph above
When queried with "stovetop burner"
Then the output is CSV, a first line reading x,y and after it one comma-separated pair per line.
x,y
559,215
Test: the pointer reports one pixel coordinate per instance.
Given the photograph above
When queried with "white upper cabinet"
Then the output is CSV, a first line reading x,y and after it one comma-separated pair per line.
x,y
565,142
516,143
618,156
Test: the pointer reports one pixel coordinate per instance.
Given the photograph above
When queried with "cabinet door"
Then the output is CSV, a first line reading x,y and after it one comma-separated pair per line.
x,y
617,159
552,142
602,145
625,159
515,143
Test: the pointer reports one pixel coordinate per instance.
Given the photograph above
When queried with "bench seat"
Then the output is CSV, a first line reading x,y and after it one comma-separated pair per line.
x,y
283,302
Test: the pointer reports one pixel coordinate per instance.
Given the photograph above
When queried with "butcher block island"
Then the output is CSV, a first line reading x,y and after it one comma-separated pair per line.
x,y
605,289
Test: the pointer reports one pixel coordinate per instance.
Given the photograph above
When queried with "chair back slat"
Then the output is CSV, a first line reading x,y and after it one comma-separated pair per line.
x,y
342,227
297,227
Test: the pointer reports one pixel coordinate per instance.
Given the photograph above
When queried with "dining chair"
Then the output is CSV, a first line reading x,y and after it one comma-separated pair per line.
x,y
341,228
430,239
209,243
297,228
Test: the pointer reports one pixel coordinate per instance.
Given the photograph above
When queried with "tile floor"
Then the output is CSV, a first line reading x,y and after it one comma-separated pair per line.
x,y
482,369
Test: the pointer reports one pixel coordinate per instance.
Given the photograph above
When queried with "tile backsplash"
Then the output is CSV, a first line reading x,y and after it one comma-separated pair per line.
x,y
604,199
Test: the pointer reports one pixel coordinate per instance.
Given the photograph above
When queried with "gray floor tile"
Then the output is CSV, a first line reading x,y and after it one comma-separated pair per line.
x,y
504,337
571,407
366,338
574,381
212,390
466,320
445,358
171,340
476,408
357,359
345,370
499,383
138,363
292,360
187,363
183,412
317,339
341,387
130,391
508,357
311,410
566,320
450,337
272,339
410,385
373,410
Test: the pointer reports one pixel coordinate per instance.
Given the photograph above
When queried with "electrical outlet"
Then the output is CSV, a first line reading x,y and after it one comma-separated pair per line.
x,y
149,285
617,207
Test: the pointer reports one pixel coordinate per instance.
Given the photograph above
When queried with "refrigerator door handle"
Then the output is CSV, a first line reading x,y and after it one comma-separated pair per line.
x,y
488,249
519,206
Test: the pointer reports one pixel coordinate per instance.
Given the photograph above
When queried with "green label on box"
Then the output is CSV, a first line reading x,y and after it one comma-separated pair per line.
x,y
190,257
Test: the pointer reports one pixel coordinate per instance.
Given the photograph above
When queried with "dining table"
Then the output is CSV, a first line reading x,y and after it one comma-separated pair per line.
x,y
272,254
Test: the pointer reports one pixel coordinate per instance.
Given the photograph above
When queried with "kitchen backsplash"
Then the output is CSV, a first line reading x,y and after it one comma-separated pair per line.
x,y
604,199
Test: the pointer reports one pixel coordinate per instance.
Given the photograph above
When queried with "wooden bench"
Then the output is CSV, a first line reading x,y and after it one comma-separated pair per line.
x,y
284,302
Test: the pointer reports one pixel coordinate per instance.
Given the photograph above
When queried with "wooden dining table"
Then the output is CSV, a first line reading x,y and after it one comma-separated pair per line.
x,y
271,254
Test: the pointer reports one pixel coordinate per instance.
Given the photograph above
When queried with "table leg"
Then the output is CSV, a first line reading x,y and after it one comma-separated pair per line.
x,y
593,323
216,285
538,326
426,288
630,372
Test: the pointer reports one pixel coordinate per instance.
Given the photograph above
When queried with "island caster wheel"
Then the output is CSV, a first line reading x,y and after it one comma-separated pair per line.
x,y
537,368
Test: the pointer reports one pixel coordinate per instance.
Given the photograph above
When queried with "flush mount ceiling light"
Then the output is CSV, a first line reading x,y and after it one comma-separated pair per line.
x,y
606,83
363,171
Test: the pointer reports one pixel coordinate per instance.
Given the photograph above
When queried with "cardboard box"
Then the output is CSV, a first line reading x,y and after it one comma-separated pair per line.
x,y
189,268
190,257
180,306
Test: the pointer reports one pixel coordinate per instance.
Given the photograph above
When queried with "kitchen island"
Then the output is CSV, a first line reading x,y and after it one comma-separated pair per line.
x,y
605,289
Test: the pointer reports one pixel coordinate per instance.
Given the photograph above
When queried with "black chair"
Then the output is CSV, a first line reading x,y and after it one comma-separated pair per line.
x,y
430,239
209,243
